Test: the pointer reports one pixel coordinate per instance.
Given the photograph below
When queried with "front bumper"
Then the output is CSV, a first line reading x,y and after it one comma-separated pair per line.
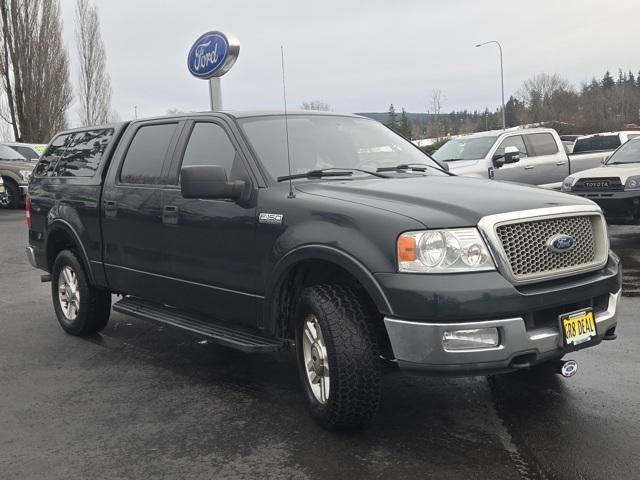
x,y
621,206
419,346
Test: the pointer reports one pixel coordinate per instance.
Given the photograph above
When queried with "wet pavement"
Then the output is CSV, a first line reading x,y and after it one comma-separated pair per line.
x,y
139,401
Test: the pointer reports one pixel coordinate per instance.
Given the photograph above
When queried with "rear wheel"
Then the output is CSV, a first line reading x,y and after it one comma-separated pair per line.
x,y
11,196
338,358
81,308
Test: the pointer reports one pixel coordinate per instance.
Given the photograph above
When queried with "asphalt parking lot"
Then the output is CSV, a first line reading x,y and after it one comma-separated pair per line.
x,y
139,401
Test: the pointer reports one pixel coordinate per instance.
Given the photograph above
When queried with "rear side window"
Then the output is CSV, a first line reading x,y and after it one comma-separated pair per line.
x,y
542,144
84,153
51,156
145,157
31,154
592,144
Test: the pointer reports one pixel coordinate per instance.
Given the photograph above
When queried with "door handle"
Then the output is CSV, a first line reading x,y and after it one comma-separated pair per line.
x,y
529,167
110,208
170,215
561,162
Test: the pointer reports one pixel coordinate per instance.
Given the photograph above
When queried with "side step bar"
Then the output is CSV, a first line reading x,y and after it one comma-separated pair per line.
x,y
244,341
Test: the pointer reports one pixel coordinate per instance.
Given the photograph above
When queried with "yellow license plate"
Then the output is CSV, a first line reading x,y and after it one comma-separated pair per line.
x,y
578,327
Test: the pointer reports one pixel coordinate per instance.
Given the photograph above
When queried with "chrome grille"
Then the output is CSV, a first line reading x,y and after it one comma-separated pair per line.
x,y
525,246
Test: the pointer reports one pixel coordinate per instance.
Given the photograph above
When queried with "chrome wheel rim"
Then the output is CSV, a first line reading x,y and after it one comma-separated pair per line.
x,y
69,293
315,359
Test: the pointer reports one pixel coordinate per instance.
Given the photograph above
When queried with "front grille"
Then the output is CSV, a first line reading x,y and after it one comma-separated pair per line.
x,y
599,184
525,246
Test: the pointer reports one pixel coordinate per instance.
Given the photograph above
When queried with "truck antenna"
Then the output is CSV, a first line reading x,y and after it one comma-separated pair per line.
x,y
286,123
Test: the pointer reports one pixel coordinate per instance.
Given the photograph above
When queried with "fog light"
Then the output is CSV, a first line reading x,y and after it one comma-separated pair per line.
x,y
471,339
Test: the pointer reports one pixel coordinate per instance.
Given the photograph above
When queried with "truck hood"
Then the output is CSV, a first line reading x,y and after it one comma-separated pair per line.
x,y
622,171
441,202
460,165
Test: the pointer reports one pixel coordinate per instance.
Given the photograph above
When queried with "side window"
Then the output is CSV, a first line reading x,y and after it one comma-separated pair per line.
x,y
606,142
84,153
209,144
31,154
542,144
514,141
145,156
51,156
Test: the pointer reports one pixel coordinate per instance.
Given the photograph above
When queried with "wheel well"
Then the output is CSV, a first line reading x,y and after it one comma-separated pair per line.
x,y
59,239
312,272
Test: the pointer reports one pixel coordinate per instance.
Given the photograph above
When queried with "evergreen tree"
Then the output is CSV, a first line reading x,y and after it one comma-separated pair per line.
x,y
405,127
392,119
607,81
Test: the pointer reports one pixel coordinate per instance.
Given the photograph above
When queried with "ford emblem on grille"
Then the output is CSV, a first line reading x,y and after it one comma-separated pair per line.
x,y
561,243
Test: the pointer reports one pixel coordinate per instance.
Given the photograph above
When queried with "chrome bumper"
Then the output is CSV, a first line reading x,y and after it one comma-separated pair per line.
x,y
31,256
419,345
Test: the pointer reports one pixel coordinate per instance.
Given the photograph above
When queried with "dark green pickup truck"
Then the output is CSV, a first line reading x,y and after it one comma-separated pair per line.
x,y
360,250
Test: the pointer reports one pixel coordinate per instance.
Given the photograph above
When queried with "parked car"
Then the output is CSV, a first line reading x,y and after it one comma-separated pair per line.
x,y
592,149
534,156
615,185
30,151
360,248
15,170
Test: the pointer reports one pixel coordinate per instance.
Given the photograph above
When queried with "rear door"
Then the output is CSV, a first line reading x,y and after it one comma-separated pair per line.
x,y
133,247
547,164
210,243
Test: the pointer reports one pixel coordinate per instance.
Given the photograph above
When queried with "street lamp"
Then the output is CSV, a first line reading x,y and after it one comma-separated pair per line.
x,y
504,122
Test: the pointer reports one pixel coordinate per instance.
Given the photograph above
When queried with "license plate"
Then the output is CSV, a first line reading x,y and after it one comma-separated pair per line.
x,y
578,327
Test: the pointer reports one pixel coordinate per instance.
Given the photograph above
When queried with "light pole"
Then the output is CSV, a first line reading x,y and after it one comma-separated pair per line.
x,y
504,122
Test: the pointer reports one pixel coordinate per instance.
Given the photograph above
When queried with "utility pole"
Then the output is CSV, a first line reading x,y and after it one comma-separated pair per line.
x,y
504,121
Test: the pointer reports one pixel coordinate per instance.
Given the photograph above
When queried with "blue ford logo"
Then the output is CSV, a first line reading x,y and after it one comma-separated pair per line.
x,y
212,55
561,243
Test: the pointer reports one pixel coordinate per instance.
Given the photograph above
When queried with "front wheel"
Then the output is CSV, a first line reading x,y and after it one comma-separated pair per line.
x,y
11,196
338,358
81,308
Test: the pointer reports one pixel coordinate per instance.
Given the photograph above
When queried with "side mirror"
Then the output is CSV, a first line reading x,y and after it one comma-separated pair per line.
x,y
210,182
605,159
445,166
511,155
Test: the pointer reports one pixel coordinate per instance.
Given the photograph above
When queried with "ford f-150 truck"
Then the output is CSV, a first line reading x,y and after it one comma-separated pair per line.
x,y
325,233
615,185
535,156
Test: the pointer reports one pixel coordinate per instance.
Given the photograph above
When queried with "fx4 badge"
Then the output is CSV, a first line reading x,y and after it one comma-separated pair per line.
x,y
271,218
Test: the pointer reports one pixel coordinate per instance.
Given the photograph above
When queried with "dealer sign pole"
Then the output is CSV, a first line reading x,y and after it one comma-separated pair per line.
x,y
211,56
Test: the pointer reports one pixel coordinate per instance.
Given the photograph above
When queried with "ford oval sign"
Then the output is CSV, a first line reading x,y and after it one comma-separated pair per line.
x,y
561,243
213,55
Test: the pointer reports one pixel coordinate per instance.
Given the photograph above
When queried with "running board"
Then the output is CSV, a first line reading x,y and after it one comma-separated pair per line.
x,y
229,337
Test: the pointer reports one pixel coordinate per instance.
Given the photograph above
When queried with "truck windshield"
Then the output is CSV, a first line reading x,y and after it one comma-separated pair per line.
x,y
470,148
329,141
627,153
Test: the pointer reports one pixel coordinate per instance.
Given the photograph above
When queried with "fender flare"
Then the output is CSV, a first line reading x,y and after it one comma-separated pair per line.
x,y
329,254
60,224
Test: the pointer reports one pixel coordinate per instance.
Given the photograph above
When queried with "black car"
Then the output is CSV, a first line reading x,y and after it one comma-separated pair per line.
x,y
321,232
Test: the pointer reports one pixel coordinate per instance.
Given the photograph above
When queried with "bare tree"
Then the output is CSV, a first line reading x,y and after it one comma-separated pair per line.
x,y
316,105
436,102
34,68
95,83
546,96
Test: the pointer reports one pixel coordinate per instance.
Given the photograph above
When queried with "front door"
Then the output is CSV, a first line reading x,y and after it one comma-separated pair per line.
x,y
210,243
514,172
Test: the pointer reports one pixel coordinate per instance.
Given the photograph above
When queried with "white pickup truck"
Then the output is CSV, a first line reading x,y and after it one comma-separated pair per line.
x,y
535,156
615,185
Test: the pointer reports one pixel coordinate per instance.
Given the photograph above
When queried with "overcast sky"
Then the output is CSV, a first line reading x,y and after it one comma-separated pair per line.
x,y
358,56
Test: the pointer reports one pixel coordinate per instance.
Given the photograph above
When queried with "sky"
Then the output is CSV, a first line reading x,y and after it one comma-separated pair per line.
x,y
358,56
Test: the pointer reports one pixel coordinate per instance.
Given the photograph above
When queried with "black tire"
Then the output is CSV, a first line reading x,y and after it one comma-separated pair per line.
x,y
345,320
94,303
11,196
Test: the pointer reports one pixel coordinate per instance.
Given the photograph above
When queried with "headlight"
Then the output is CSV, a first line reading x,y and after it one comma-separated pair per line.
x,y
25,174
443,251
633,182
567,184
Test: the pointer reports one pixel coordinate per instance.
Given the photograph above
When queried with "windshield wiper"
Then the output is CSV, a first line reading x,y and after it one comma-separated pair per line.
x,y
414,167
329,172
